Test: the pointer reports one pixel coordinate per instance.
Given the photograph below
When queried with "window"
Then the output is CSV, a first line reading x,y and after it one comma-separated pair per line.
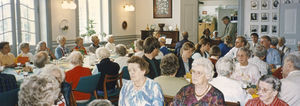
x,y
23,13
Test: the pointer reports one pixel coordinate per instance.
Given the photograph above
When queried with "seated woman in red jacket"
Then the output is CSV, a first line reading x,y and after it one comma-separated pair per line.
x,y
73,75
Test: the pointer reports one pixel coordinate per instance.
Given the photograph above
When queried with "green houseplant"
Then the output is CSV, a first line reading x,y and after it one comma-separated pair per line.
x,y
90,29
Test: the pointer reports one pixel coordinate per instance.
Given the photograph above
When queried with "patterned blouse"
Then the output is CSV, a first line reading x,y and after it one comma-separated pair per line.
x,y
186,97
258,102
81,50
149,95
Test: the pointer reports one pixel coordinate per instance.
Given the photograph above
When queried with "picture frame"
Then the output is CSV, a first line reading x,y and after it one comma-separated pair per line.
x,y
162,8
264,17
253,17
274,29
254,5
288,1
264,29
275,4
265,4
254,28
274,17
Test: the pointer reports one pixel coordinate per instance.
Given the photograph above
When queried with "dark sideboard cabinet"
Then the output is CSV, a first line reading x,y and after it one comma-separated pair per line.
x,y
174,35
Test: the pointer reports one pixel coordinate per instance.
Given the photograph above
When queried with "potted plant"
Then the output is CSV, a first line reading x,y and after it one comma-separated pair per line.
x,y
90,30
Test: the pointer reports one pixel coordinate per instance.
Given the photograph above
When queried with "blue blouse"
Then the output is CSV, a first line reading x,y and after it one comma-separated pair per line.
x,y
149,95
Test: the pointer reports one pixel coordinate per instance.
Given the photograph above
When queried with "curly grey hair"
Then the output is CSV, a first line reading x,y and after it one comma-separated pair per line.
x,y
121,50
270,79
38,46
75,58
294,58
60,38
100,102
169,64
246,50
139,44
282,38
39,90
260,51
40,59
225,66
274,41
207,65
54,71
102,53
23,45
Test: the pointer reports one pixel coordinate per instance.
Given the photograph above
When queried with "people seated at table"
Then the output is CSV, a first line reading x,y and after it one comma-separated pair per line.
x,y
168,82
291,77
232,89
105,67
225,46
239,43
254,38
138,48
268,89
246,72
202,49
214,53
25,55
151,49
7,59
163,48
95,45
8,82
61,50
260,54
273,56
40,60
140,90
79,46
73,75
185,60
282,47
39,90
110,45
200,92
185,36
42,46
122,59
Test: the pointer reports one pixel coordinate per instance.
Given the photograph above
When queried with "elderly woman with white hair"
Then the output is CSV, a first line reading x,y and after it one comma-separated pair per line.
x,y
268,89
79,46
122,59
105,67
260,54
246,72
73,75
200,92
42,46
39,90
61,50
40,60
95,45
232,89
25,55
110,44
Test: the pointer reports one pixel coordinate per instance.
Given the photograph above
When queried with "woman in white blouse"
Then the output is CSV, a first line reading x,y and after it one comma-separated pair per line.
x,y
260,54
246,72
122,59
202,49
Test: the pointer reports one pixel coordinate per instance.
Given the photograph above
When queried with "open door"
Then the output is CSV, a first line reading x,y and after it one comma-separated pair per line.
x,y
290,24
189,18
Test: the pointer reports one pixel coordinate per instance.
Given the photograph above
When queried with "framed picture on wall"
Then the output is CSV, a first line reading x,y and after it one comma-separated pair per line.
x,y
287,1
264,29
264,17
162,8
274,29
275,4
254,28
264,4
254,5
274,17
253,17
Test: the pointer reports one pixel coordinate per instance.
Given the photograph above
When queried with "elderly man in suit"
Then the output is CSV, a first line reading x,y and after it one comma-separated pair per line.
x,y
230,28
291,75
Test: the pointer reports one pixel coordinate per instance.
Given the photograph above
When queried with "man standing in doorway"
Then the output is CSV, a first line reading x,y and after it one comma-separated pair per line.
x,y
230,29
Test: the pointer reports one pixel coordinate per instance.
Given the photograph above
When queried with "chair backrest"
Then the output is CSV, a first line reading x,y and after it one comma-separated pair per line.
x,y
232,103
125,73
168,100
9,98
88,84
112,78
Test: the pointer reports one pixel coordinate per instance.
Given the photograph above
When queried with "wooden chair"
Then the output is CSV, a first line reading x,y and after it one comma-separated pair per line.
x,y
112,94
232,103
168,100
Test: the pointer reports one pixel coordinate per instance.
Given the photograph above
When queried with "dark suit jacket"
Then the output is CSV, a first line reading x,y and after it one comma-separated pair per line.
x,y
152,73
107,67
181,70
179,45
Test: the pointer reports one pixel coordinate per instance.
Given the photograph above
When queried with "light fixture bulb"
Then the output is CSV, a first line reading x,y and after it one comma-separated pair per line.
x,y
65,4
72,5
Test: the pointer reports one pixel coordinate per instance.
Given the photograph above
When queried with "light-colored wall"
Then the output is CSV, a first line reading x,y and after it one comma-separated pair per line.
x,y
58,14
211,5
119,15
144,15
